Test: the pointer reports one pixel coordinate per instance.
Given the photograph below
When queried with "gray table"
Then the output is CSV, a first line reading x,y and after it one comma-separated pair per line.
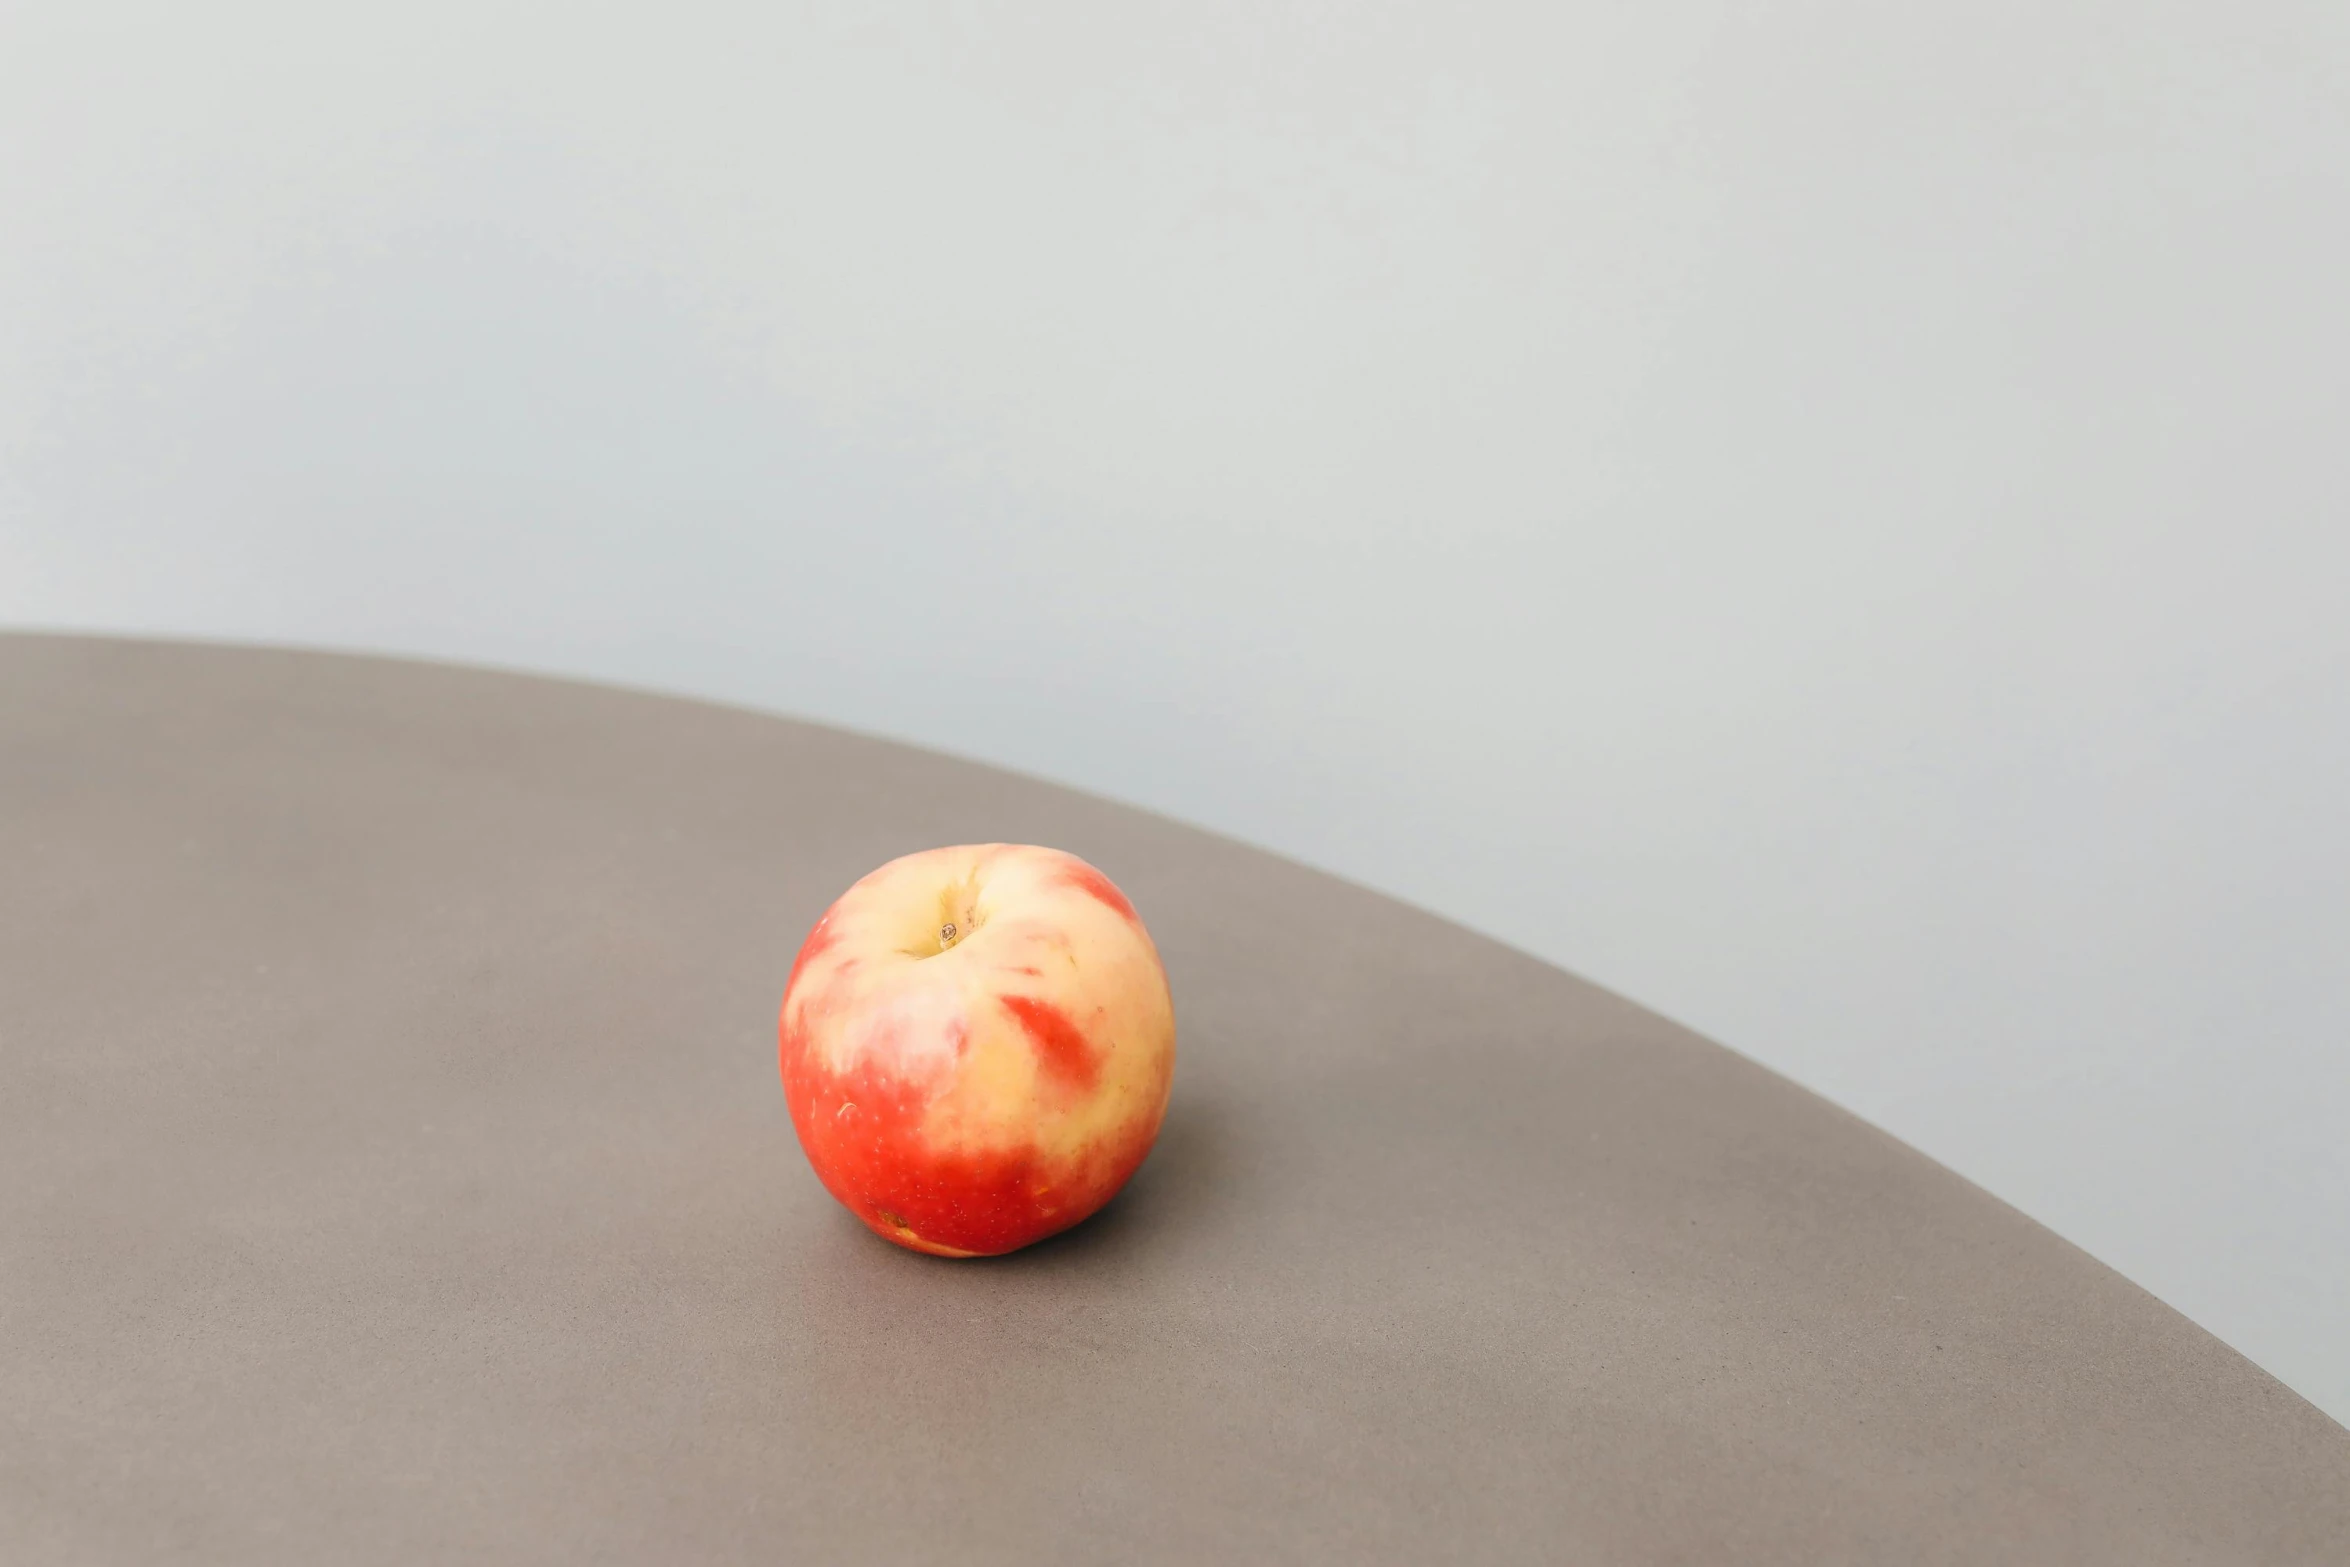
x,y
393,1169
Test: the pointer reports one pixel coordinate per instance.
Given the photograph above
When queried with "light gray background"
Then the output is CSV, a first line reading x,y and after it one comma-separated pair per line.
x,y
1829,519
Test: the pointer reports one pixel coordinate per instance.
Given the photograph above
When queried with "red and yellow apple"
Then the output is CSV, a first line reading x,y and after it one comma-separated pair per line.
x,y
977,1044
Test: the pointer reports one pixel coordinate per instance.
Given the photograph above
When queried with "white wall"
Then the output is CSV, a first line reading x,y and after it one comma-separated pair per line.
x,y
1829,518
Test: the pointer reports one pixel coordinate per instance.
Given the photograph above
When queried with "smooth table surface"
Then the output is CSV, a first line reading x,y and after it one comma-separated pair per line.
x,y
393,1169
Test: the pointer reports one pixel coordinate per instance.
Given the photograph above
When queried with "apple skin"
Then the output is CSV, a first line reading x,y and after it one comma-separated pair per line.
x,y
967,1095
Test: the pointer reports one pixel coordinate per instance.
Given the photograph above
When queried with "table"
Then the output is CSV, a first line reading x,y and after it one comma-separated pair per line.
x,y
393,1169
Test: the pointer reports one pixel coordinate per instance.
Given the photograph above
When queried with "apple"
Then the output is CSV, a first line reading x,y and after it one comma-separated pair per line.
x,y
977,1044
